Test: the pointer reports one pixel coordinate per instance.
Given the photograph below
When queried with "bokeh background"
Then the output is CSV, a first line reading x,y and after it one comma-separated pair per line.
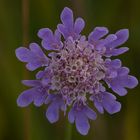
x,y
19,22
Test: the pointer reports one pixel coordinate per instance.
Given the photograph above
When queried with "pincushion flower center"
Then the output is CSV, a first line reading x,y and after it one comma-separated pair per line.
x,y
74,73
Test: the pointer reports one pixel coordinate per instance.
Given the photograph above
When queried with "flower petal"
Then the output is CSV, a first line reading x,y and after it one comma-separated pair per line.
x,y
97,33
50,98
23,54
50,41
122,36
110,105
45,34
116,63
34,57
82,123
122,81
52,112
33,66
99,106
71,116
63,30
131,82
119,90
90,113
26,97
31,83
79,25
107,40
67,18
123,71
115,52
40,97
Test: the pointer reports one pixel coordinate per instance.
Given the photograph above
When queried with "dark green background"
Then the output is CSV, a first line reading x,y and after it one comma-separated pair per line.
x,y
30,123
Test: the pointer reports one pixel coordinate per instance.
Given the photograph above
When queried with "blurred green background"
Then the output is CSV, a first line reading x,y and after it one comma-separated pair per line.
x,y
19,23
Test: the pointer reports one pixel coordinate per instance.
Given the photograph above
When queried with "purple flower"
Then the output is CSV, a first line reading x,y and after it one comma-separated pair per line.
x,y
78,70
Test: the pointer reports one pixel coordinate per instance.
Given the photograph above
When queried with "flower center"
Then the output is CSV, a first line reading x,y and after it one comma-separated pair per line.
x,y
76,71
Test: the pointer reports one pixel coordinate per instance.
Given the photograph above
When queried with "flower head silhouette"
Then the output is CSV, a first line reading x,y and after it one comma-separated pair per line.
x,y
77,70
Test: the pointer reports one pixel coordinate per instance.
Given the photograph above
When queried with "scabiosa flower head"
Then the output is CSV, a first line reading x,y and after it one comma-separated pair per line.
x,y
77,70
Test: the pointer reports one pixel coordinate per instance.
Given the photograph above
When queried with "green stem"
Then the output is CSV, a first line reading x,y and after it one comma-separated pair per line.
x,y
68,133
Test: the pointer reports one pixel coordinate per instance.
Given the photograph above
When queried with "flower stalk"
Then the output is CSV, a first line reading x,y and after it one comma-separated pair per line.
x,y
68,133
